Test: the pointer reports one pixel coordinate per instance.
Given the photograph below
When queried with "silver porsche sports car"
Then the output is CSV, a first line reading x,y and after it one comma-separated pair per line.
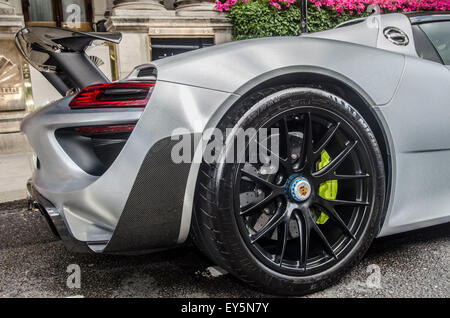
x,y
352,143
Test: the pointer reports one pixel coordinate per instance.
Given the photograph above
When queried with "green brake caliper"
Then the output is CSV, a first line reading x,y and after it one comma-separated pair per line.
x,y
327,190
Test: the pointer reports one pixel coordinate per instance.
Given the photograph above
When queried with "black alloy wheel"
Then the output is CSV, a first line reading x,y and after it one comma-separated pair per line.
x,y
294,225
289,239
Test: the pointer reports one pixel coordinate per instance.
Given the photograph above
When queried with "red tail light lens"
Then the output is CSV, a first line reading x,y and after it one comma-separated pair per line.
x,y
113,95
105,129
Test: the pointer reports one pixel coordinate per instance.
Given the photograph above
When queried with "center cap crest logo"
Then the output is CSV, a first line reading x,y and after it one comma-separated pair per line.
x,y
301,190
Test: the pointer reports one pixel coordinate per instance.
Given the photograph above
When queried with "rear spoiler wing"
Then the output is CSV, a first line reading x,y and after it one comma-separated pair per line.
x,y
59,54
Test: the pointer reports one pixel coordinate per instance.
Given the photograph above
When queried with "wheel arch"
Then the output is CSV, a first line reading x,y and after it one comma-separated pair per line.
x,y
328,80
343,88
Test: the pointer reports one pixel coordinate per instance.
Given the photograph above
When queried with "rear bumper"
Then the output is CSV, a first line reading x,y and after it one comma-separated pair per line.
x,y
143,201
55,221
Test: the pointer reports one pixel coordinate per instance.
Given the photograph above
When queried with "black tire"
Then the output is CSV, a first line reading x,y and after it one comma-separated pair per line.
x,y
218,230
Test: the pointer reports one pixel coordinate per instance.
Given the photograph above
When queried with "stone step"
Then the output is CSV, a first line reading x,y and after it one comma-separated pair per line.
x,y
10,121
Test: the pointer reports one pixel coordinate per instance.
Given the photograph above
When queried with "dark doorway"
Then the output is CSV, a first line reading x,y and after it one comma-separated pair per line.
x,y
164,47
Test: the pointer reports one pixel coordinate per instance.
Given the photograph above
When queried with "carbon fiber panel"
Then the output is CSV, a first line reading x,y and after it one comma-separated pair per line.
x,y
152,214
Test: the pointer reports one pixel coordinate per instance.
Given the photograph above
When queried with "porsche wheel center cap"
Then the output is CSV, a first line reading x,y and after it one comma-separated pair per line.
x,y
300,189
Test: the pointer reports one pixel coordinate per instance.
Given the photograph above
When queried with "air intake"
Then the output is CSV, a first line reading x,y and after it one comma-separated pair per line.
x,y
396,36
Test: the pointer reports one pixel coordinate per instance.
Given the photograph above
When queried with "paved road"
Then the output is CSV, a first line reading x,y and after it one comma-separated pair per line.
x,y
15,169
34,264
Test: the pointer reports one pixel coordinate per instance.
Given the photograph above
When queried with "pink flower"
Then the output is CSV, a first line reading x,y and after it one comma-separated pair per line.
x,y
353,5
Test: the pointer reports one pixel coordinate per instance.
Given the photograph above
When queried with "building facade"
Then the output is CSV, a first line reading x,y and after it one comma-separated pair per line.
x,y
151,29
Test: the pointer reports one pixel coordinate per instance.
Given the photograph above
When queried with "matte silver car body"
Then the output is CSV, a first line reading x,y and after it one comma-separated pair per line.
x,y
409,96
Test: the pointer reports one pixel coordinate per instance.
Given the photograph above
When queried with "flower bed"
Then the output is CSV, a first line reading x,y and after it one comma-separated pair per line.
x,y
260,18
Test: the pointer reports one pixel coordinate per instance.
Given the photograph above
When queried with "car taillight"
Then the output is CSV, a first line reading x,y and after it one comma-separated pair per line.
x,y
113,95
92,130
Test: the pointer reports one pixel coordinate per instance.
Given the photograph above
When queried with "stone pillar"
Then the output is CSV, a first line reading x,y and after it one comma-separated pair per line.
x,y
137,5
10,21
140,21
101,9
205,11
13,73
203,8
130,18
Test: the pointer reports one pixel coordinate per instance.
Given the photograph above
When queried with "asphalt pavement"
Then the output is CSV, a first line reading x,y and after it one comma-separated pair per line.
x,y
34,264
15,169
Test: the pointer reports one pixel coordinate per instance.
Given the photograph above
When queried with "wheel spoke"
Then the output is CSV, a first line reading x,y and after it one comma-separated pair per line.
x,y
255,207
327,138
285,142
345,202
284,162
304,233
284,242
331,211
322,237
307,144
350,177
269,226
328,170
259,180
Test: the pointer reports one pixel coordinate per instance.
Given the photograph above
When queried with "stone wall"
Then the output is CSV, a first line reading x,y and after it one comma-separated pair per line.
x,y
13,69
140,21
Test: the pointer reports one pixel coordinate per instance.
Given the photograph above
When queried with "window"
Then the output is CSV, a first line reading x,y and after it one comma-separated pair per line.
x,y
40,11
58,13
164,47
439,34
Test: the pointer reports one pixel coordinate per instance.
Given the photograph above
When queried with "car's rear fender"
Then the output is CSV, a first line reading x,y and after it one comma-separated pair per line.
x,y
136,204
244,63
